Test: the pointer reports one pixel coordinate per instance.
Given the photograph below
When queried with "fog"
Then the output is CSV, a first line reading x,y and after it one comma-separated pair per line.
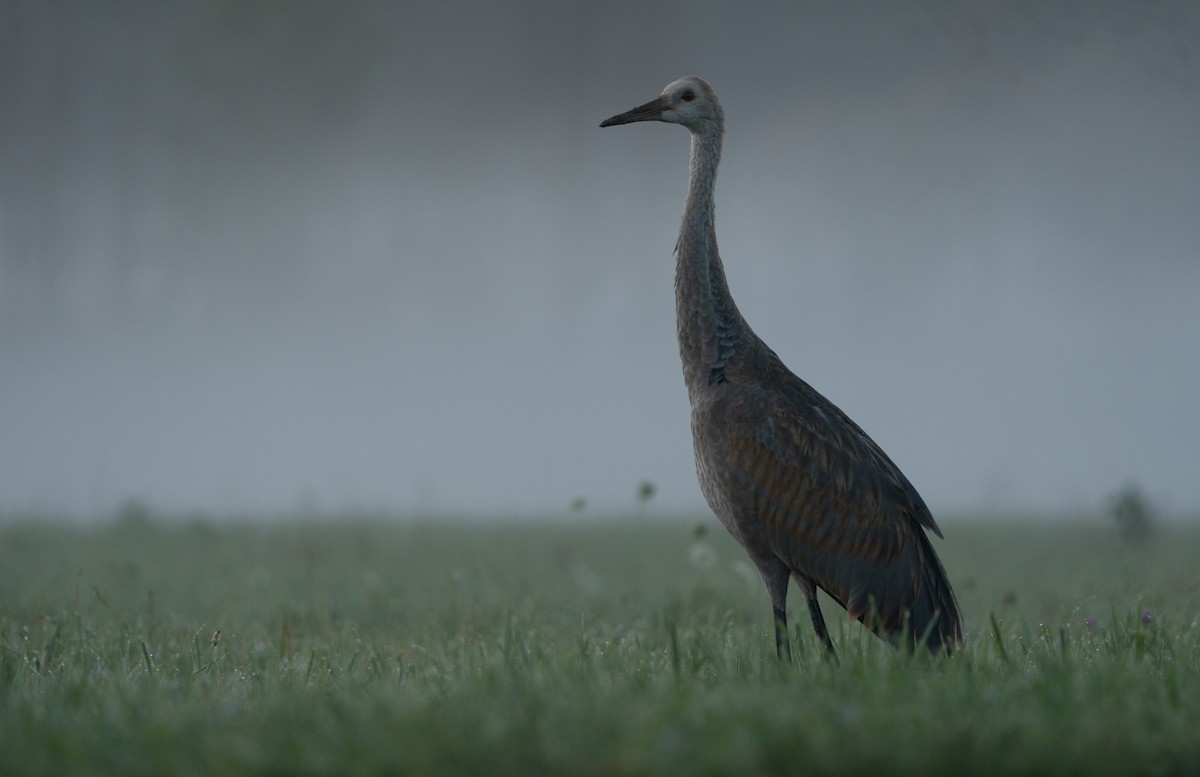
x,y
261,257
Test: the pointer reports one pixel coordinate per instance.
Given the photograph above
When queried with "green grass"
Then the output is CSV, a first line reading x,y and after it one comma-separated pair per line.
x,y
627,648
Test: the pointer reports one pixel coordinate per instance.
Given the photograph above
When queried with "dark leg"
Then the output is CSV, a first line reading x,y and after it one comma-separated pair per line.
x,y
814,610
775,576
783,646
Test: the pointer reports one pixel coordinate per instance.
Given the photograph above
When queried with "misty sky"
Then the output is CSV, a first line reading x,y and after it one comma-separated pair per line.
x,y
287,255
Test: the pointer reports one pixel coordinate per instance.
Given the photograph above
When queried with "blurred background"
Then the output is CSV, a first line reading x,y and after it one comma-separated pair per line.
x,y
261,257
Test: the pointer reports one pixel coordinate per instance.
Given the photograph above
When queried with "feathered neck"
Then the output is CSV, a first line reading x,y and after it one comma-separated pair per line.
x,y
709,326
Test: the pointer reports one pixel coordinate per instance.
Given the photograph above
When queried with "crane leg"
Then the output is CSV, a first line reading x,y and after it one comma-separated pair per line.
x,y
783,647
814,609
775,575
818,620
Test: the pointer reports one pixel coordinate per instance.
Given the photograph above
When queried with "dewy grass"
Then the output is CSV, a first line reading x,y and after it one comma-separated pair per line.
x,y
591,649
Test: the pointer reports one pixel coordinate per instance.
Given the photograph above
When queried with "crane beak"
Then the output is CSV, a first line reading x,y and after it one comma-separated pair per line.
x,y
651,111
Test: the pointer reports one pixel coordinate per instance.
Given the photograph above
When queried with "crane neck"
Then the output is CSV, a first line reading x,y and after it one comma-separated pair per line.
x,y
712,334
700,210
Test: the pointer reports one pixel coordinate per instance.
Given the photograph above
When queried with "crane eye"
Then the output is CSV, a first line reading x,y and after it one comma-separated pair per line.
x,y
688,96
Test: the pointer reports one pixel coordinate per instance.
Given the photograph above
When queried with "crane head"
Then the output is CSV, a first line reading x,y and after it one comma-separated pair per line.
x,y
690,101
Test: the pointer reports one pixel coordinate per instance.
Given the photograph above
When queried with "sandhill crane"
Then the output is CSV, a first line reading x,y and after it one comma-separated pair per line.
x,y
803,489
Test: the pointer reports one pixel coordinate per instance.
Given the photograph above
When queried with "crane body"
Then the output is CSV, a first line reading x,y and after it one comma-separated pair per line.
x,y
802,488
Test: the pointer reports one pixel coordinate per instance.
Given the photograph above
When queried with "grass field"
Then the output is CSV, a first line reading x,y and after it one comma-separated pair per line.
x,y
605,648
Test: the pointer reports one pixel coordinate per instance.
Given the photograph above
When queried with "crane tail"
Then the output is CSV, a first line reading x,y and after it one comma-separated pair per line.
x,y
934,619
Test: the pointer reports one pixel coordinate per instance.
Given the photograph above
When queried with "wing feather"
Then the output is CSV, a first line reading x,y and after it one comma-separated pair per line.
x,y
794,477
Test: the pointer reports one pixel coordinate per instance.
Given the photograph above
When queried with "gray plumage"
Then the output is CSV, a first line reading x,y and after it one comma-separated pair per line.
x,y
803,489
